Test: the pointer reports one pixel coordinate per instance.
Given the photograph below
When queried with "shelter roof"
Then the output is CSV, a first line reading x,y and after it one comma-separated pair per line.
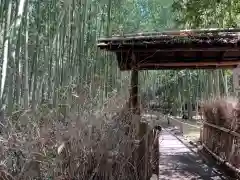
x,y
183,49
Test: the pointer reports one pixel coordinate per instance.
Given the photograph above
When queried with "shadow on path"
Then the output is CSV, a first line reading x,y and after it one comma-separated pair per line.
x,y
178,162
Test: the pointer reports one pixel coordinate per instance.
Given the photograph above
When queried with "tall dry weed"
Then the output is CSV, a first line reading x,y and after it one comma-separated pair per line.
x,y
223,112
69,142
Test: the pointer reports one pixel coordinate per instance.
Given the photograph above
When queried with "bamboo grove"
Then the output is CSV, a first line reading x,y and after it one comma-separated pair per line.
x,y
48,50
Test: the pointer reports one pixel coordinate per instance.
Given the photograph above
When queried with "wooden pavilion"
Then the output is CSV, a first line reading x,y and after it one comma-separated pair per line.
x,y
184,49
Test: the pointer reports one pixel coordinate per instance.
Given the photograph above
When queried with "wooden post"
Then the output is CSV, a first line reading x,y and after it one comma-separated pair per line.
x,y
155,152
181,128
134,100
141,153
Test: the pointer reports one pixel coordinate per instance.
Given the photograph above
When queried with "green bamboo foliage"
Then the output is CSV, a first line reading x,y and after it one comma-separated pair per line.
x,y
48,49
47,46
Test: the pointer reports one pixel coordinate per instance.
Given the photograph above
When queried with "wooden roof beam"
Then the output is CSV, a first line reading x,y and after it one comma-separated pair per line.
x,y
188,65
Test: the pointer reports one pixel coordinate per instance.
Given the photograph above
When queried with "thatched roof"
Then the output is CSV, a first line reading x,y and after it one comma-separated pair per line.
x,y
206,48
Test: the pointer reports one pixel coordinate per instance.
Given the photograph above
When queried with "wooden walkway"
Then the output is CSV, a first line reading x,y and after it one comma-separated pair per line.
x,y
178,162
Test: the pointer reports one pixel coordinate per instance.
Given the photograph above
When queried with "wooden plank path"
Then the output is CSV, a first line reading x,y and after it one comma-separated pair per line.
x,y
178,162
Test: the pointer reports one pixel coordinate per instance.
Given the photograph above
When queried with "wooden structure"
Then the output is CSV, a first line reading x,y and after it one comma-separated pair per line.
x,y
185,49
225,150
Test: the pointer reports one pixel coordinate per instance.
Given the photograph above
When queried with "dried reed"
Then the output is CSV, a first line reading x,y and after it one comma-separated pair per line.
x,y
222,112
65,143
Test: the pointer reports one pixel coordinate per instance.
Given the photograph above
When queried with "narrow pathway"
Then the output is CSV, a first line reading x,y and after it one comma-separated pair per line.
x,y
178,162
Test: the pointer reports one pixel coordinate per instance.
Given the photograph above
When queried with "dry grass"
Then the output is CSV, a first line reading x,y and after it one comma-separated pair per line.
x,y
223,112
65,143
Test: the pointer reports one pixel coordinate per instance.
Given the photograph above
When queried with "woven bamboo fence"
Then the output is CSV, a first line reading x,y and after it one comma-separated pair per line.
x,y
220,135
148,148
145,154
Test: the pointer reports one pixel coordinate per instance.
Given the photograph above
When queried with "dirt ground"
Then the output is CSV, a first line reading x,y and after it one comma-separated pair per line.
x,y
190,128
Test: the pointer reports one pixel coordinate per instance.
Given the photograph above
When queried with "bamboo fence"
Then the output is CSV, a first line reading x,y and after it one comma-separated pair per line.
x,y
220,134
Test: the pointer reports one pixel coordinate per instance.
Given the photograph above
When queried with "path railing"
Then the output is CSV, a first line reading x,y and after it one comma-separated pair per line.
x,y
147,149
223,144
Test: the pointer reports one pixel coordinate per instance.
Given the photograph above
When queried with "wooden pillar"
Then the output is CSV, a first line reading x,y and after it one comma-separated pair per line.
x,y
141,153
134,100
